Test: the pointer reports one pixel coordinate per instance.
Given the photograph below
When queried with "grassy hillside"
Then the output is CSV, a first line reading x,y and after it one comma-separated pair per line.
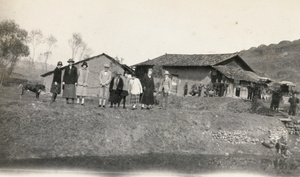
x,y
278,61
32,129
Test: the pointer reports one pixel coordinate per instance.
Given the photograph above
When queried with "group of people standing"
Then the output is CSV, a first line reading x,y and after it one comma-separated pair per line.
x,y
112,89
74,82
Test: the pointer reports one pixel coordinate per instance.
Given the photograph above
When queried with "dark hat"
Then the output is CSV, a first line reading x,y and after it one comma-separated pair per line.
x,y
59,63
71,60
133,75
84,64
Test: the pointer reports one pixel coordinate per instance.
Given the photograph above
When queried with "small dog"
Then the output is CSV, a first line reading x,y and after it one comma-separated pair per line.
x,y
36,88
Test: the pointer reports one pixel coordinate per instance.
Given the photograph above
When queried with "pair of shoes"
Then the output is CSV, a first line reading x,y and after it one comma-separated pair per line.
x,y
124,107
82,104
103,106
99,106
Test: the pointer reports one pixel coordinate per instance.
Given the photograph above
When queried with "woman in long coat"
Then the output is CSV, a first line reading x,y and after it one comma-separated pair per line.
x,y
125,90
115,89
148,87
83,75
56,82
69,81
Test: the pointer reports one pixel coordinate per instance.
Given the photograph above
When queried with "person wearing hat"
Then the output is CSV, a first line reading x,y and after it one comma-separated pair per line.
x,y
165,89
124,93
56,82
105,79
115,89
83,75
69,81
148,87
135,89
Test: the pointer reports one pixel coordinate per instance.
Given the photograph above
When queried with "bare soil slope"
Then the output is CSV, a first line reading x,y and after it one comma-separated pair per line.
x,y
39,129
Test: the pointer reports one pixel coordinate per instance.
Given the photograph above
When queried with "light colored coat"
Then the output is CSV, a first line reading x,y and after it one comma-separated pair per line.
x,y
82,80
105,79
166,85
135,87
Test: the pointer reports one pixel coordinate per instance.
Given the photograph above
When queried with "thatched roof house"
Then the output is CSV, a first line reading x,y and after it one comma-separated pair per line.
x,y
205,68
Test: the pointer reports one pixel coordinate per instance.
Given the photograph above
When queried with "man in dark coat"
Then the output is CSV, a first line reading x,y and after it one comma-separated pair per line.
x,y
70,81
293,104
115,89
56,82
276,97
250,92
148,87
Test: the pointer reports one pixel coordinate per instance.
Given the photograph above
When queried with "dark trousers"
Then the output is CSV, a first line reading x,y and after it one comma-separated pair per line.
x,y
274,104
293,110
200,90
54,95
124,101
249,96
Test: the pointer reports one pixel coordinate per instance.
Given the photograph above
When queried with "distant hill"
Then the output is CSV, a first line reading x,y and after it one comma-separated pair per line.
x,y
277,61
24,71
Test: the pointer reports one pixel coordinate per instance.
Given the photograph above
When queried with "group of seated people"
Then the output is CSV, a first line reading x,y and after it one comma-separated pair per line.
x,y
209,90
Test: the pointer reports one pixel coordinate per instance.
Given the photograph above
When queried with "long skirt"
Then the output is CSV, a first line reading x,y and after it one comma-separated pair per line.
x,y
135,99
148,97
81,90
55,88
114,97
69,91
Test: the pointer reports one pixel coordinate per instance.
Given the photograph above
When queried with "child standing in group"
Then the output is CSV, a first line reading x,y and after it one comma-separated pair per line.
x,y
135,89
165,88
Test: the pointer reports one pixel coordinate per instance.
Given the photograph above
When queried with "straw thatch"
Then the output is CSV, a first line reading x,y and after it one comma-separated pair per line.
x,y
238,73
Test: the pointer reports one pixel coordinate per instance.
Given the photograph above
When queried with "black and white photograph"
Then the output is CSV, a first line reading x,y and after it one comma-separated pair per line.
x,y
142,88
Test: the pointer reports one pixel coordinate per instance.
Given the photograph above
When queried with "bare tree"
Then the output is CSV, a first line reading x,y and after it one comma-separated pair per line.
x,y
85,51
75,43
51,42
120,60
80,49
35,38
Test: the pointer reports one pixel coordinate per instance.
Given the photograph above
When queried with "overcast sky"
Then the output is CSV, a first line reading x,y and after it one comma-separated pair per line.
x,y
138,30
